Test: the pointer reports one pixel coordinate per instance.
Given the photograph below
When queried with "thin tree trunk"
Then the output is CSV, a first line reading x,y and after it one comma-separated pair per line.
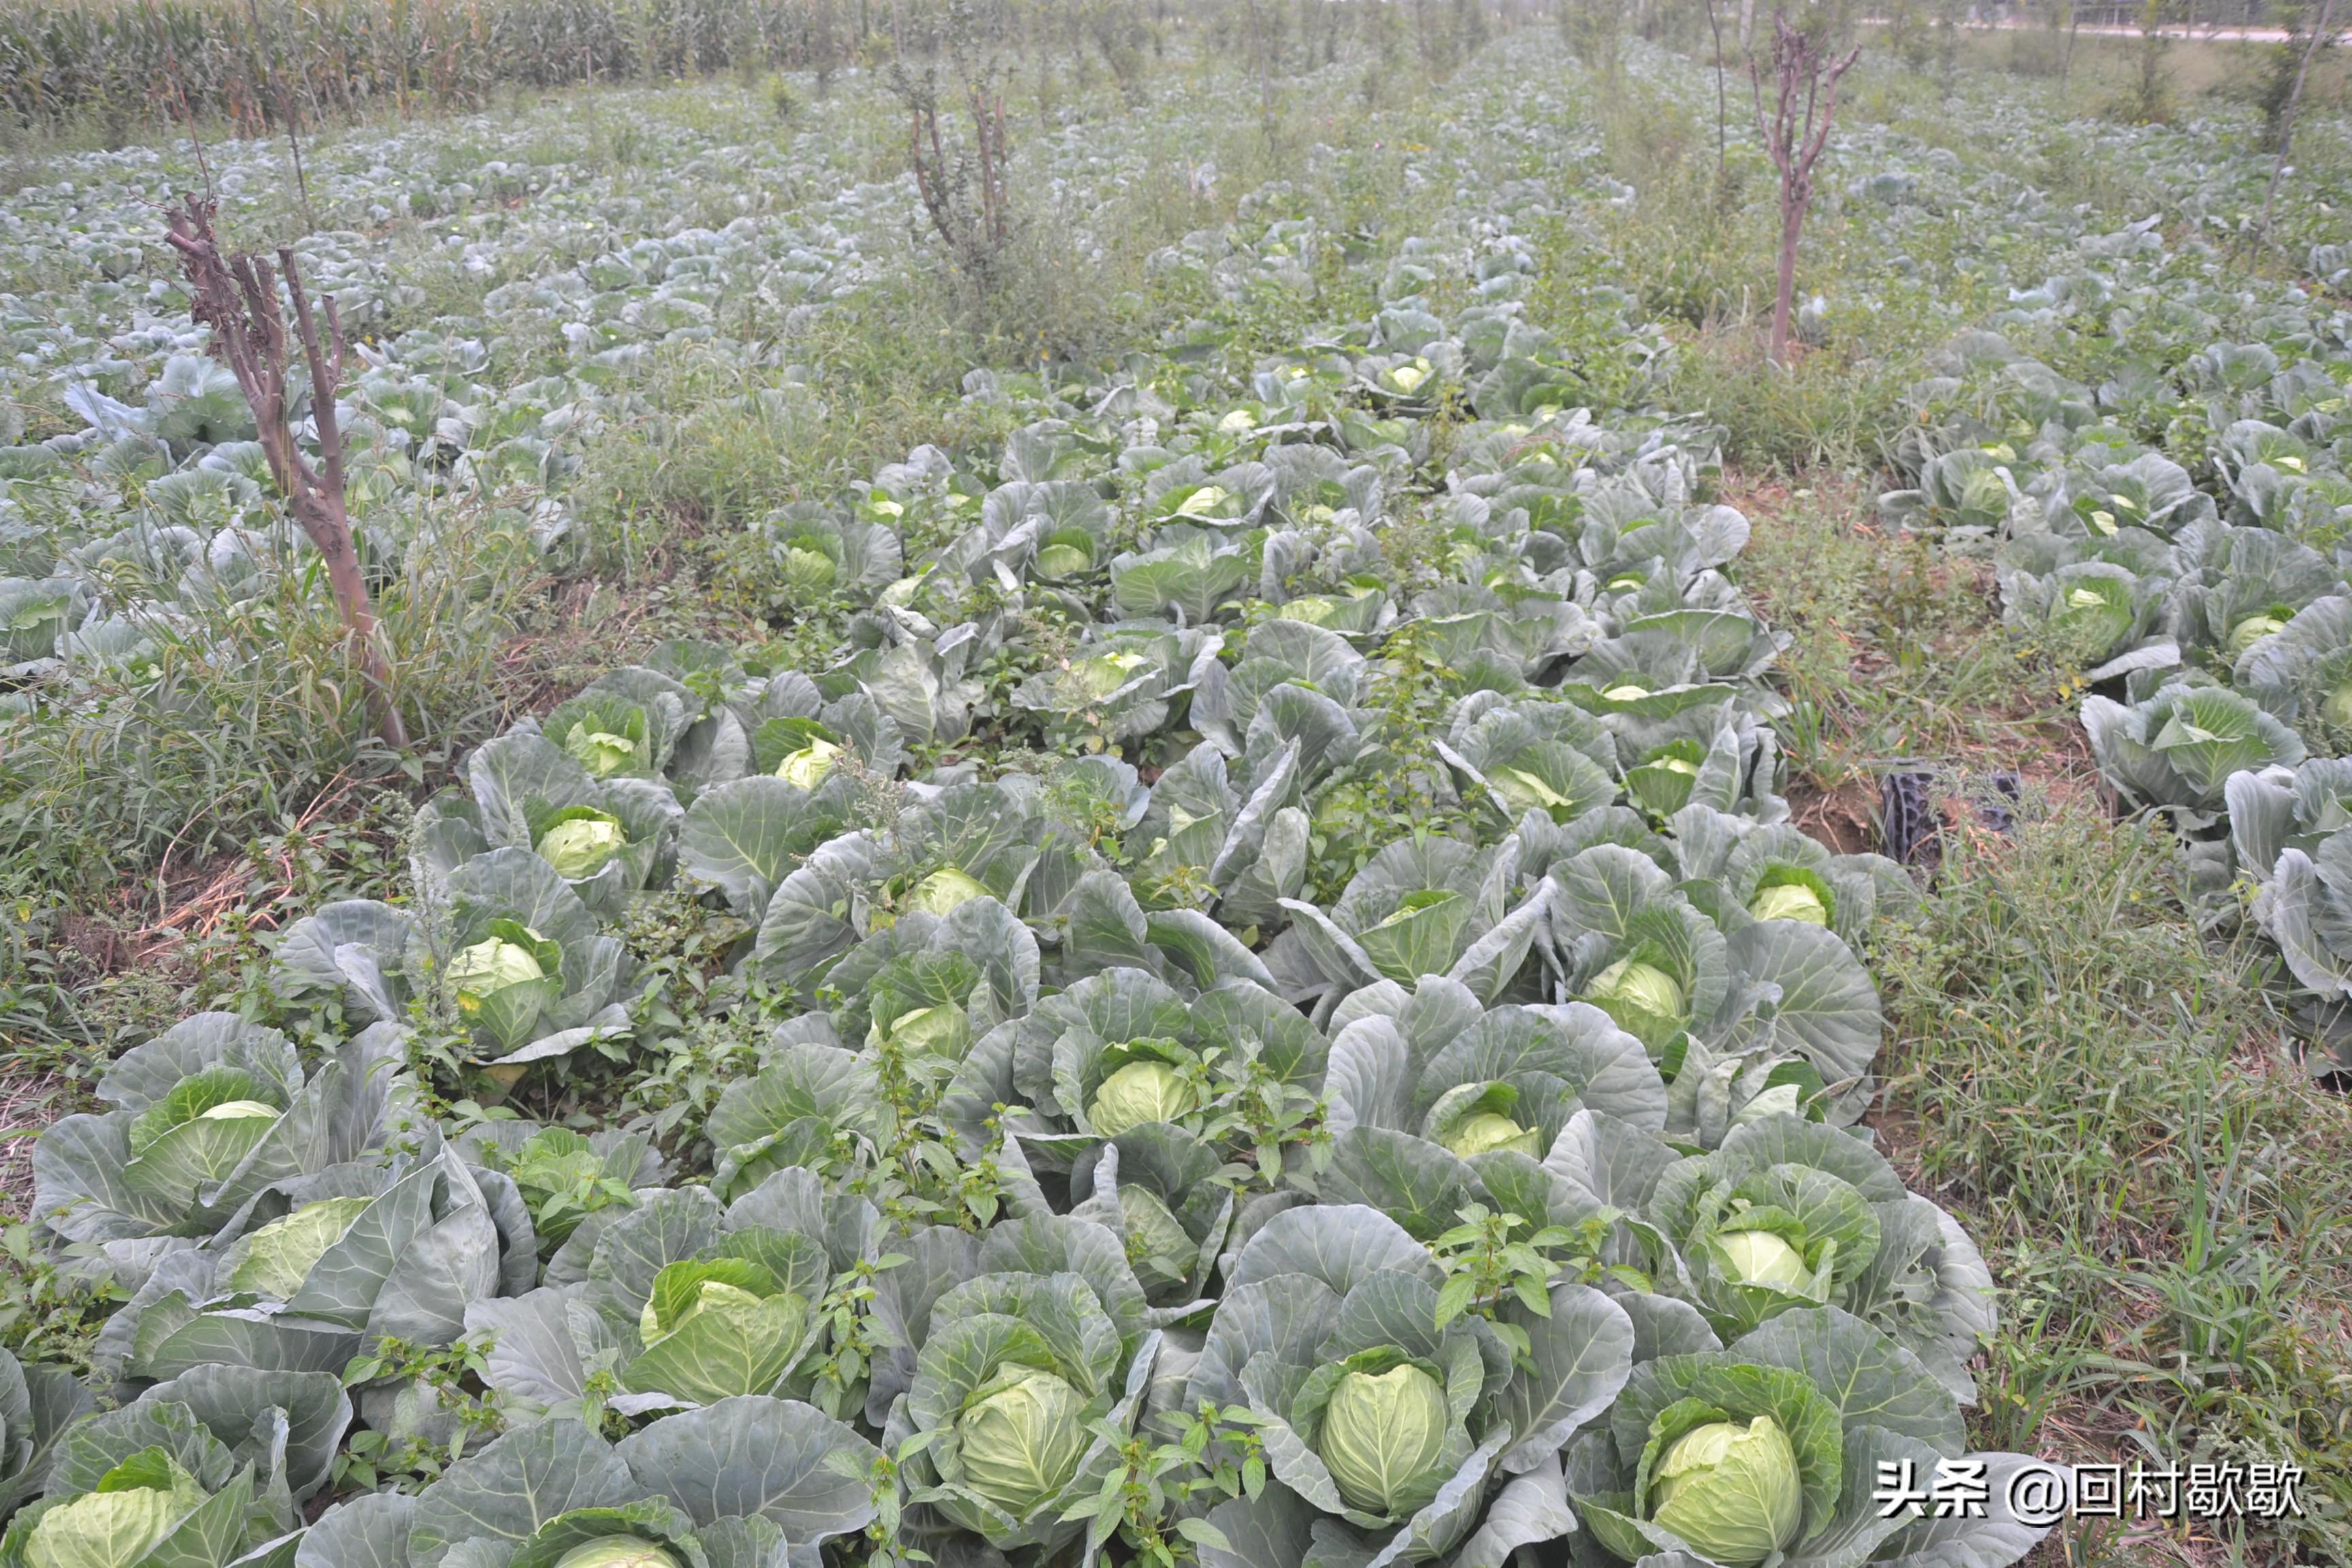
x,y
1793,228
1747,22
1722,113
2286,120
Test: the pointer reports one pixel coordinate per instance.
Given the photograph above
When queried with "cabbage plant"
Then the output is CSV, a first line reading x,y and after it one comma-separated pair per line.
x,y
2301,672
812,1104
201,1119
962,842
1018,1367
1280,652
1124,681
2100,602
1789,1214
625,724
749,1483
2175,752
1519,757
1433,1104
607,839
315,1266
1123,1050
565,1179
1158,1188
37,1404
1764,1451
2248,583
1772,1004
524,964
206,1469
684,1300
1419,906
1390,1432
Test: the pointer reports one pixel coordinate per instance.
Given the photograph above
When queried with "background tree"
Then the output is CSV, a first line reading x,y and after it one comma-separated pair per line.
x,y
1804,105
236,297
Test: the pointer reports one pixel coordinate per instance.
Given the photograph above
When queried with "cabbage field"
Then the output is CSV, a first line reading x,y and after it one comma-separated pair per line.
x,y
1133,794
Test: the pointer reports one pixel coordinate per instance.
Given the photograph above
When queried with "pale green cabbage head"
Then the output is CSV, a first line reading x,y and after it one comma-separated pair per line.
x,y
1487,1131
2252,630
599,751
1092,679
1732,1491
809,570
1382,1432
809,766
943,890
1140,1092
1203,502
751,1293
115,1527
2084,599
942,1031
2337,709
1022,1436
274,1260
1789,901
489,966
1526,792
1760,1258
1643,999
1063,558
579,847
617,1551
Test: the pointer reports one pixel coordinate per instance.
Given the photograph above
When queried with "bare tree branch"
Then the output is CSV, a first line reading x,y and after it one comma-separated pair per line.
x,y
1804,108
236,297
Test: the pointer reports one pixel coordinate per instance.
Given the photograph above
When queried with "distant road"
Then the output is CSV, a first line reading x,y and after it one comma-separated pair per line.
x,y
2201,35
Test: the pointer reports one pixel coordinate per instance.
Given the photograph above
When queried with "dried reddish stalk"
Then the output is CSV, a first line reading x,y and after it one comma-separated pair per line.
x,y
236,297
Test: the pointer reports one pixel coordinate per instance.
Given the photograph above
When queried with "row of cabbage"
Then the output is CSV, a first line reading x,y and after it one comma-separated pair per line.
x,y
146,519
1227,1126
2178,530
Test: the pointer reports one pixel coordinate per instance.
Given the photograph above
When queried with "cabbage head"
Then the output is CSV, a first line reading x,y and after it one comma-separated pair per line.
x,y
1383,1431
1645,1001
1146,1088
1021,1434
716,1327
1793,894
504,982
198,1133
942,1029
601,752
1478,1119
1762,1257
620,1550
133,1508
580,840
1066,552
940,892
811,766
2246,633
274,1260
1731,1490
